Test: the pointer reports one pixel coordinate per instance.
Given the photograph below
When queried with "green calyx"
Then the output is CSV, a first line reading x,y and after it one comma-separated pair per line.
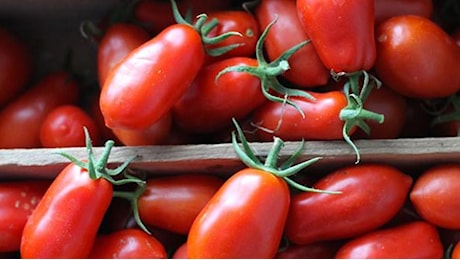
x,y
285,170
268,73
203,27
354,113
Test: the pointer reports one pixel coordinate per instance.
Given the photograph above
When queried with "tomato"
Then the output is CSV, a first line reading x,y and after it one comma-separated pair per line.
x,y
417,121
117,42
343,40
416,240
319,250
306,69
180,252
371,194
385,9
435,193
173,202
154,134
209,105
456,251
404,64
63,127
18,200
15,64
231,226
127,244
456,36
21,120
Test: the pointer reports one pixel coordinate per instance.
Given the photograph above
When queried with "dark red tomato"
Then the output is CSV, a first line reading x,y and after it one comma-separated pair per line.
x,y
305,67
417,121
154,134
209,105
416,240
321,121
21,120
63,127
244,219
173,202
92,106
385,9
456,251
318,250
435,195
343,40
18,200
15,64
127,244
456,36
392,106
234,21
371,195
118,41
404,64
180,252
145,85
66,221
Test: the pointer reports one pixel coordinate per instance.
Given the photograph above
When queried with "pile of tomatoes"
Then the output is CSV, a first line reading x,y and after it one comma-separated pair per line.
x,y
194,71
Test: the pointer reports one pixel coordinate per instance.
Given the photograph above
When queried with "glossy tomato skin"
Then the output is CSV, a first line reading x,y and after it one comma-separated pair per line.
x,y
128,243
435,185
149,80
305,67
173,202
385,9
117,42
63,127
371,194
321,122
343,40
15,64
66,221
404,64
21,120
208,106
415,240
19,199
244,219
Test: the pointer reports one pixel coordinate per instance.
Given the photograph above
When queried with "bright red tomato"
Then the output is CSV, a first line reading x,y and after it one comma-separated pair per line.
x,y
244,219
456,251
341,31
66,221
385,9
415,240
21,120
404,64
117,42
18,200
145,85
435,195
305,67
127,244
173,202
371,194
63,127
15,64
209,105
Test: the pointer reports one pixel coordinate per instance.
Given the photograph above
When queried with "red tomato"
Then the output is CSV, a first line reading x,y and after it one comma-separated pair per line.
x,y
21,120
118,41
305,67
321,121
15,64
180,252
435,195
341,31
18,200
319,250
244,219
127,244
415,240
144,86
173,202
404,64
154,134
456,251
209,105
371,195
385,9
66,221
63,127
